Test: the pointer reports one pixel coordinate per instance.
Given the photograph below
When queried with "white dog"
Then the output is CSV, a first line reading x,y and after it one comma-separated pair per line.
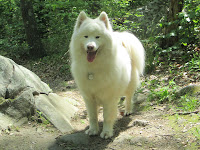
x,y
105,66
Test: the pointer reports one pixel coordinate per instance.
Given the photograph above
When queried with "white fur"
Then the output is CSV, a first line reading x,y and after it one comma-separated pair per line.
x,y
113,73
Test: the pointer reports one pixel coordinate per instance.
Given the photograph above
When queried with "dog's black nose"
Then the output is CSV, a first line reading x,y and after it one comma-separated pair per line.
x,y
90,47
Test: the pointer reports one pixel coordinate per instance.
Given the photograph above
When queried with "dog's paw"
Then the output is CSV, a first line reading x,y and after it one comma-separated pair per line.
x,y
91,132
106,134
127,113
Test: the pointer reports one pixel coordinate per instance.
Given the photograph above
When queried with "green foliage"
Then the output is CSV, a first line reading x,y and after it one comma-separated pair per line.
x,y
189,23
196,133
193,64
44,120
145,18
188,103
160,93
12,32
187,33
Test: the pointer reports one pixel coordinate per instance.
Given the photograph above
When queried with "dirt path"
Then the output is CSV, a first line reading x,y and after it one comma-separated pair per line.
x,y
151,128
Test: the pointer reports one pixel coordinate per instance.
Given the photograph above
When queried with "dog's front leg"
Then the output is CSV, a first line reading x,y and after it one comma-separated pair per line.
x,y
109,114
92,109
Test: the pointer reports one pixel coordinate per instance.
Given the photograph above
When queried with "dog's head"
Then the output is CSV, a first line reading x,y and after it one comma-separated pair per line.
x,y
92,33
103,17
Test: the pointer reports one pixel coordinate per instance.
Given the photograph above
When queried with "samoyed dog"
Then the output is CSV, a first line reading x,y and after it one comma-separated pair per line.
x,y
105,65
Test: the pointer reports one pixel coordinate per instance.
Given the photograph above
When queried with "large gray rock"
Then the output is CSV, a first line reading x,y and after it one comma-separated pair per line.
x,y
22,92
15,78
57,110
21,106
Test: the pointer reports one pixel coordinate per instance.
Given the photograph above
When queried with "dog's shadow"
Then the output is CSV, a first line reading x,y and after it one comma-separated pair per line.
x,y
79,140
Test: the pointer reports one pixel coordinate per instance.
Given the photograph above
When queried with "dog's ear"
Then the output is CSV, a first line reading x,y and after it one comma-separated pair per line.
x,y
103,17
82,16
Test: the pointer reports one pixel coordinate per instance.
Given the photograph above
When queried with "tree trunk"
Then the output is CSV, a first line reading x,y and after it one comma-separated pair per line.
x,y
32,35
175,7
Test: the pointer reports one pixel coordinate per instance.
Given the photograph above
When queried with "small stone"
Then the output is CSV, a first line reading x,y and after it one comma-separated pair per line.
x,y
179,140
35,93
121,138
181,121
7,131
167,108
11,134
75,139
39,130
141,123
139,144
138,141
184,131
33,142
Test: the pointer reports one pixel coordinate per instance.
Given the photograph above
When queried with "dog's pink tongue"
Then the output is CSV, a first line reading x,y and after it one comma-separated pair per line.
x,y
91,56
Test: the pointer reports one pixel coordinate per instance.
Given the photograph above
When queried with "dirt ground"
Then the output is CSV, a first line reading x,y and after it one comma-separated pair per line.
x,y
150,127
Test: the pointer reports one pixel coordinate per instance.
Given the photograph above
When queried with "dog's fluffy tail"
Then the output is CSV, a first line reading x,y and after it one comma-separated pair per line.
x,y
135,50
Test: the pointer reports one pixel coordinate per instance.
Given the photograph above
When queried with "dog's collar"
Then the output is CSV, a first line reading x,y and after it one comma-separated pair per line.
x,y
90,76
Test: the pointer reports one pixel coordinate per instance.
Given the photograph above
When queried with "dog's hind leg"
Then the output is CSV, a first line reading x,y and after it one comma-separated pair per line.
x,y
134,83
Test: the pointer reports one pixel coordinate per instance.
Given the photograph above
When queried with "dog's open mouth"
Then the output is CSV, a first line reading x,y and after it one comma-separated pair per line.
x,y
91,55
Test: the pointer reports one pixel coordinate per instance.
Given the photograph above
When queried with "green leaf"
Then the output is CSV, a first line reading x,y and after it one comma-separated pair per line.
x,y
185,44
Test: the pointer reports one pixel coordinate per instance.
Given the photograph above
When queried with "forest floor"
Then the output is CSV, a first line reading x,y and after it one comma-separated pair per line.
x,y
153,126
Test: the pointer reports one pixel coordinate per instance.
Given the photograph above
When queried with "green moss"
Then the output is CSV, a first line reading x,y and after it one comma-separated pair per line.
x,y
192,146
173,121
2,100
179,122
186,119
193,119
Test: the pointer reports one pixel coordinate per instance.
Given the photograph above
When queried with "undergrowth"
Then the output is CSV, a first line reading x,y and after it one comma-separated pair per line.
x,y
169,93
196,133
164,88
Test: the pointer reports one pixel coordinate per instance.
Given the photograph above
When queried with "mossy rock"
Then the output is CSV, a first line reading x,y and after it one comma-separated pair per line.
x,y
193,89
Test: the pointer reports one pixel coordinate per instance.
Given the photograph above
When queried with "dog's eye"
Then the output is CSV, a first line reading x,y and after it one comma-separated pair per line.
x,y
86,36
97,37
